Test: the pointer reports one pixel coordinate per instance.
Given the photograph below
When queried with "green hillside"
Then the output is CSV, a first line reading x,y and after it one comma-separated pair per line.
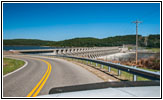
x,y
152,41
27,42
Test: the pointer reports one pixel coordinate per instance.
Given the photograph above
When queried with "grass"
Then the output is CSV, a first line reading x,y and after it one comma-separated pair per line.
x,y
10,65
130,48
154,49
153,70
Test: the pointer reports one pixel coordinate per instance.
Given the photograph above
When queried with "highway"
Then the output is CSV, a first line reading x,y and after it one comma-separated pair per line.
x,y
42,74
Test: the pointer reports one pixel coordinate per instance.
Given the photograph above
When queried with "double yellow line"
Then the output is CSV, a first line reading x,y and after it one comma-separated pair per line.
x,y
41,83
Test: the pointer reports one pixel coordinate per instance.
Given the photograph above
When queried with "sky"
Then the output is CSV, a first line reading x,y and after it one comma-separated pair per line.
x,y
60,21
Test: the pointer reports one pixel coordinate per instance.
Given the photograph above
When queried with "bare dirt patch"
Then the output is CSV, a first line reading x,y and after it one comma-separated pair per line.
x,y
10,53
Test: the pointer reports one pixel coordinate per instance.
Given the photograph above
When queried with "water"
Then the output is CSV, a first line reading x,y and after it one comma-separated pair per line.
x,y
25,47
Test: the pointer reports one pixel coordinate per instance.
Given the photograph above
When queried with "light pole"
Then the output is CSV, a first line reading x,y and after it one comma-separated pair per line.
x,y
136,22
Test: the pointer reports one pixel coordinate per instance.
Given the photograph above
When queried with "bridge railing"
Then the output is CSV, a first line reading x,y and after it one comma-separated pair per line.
x,y
132,70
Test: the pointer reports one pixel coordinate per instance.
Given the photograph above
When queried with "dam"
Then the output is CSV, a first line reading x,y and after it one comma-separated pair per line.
x,y
88,52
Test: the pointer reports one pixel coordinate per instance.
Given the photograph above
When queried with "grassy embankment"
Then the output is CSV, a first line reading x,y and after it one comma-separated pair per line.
x,y
154,49
10,65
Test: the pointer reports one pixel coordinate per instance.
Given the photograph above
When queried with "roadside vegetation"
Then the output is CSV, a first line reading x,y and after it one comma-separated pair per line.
x,y
153,49
152,63
10,65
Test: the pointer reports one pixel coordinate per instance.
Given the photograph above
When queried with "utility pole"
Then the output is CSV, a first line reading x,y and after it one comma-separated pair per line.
x,y
136,22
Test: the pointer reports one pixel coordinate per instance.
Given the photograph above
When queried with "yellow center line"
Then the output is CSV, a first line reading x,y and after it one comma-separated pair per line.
x,y
41,83
41,86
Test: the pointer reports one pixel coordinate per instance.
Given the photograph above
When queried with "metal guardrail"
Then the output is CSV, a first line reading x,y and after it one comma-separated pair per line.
x,y
133,70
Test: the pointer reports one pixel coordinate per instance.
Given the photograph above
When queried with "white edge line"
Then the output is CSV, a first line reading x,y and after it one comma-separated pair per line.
x,y
26,63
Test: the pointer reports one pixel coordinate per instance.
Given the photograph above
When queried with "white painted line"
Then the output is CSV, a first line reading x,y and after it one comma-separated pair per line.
x,y
26,63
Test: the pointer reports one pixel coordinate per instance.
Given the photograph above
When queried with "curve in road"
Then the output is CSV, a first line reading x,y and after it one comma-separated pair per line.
x,y
63,73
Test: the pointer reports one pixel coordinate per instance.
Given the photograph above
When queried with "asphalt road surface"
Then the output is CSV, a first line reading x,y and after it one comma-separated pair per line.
x,y
40,75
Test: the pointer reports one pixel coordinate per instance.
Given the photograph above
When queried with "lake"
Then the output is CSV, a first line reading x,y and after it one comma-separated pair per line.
x,y
26,47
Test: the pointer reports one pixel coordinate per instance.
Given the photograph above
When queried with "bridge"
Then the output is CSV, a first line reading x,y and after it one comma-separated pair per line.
x,y
88,52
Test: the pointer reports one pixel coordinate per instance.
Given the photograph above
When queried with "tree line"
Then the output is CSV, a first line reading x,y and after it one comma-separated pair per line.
x,y
149,41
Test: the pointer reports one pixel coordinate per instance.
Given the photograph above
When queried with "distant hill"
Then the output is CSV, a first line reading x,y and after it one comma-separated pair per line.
x,y
153,41
150,41
26,42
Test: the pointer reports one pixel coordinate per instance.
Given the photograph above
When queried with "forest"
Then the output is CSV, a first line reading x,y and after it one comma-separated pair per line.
x,y
151,41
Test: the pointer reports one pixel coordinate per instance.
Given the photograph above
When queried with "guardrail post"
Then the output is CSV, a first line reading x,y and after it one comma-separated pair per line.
x,y
96,64
91,63
119,72
109,69
102,66
134,76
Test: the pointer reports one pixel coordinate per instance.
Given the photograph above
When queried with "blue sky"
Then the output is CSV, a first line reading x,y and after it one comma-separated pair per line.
x,y
60,21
